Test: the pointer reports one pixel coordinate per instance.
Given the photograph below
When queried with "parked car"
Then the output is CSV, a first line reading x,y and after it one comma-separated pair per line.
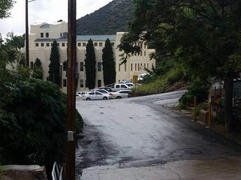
x,y
121,94
118,87
108,89
103,91
130,84
95,95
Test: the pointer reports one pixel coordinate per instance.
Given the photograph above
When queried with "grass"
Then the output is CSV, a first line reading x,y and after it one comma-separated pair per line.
x,y
161,84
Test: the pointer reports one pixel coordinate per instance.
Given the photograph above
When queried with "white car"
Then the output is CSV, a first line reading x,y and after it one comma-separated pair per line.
x,y
103,91
121,94
130,84
118,87
95,95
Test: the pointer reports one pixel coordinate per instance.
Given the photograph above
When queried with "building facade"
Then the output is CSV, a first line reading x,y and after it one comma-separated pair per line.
x,y
41,39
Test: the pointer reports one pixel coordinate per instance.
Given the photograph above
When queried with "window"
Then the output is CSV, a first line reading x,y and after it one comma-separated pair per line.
x,y
47,35
57,44
79,44
65,82
47,44
81,64
144,53
147,66
112,44
135,67
99,66
99,83
100,44
131,66
117,86
76,67
81,83
41,35
31,65
84,44
65,66
61,34
95,44
125,67
98,93
123,86
51,44
42,44
36,44
63,44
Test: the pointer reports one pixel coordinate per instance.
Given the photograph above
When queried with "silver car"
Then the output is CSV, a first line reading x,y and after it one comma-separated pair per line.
x,y
95,95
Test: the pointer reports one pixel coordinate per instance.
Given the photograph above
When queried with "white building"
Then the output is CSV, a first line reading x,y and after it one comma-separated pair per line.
x,y
43,35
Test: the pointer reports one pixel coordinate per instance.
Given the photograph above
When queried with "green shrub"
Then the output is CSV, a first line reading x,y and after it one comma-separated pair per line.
x,y
198,89
33,122
160,84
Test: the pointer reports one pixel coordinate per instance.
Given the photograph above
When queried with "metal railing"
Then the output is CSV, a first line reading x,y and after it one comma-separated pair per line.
x,y
57,172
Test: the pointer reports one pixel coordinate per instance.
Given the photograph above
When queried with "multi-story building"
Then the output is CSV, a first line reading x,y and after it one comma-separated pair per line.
x,y
43,35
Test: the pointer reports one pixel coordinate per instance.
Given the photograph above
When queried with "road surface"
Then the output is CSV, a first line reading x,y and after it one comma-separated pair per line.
x,y
139,132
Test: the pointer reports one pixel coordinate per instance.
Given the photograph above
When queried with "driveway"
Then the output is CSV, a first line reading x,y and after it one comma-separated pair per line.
x,y
142,132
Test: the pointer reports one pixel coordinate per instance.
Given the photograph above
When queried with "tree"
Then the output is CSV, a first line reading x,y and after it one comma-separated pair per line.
x,y
202,34
90,65
54,66
37,70
108,64
5,6
32,122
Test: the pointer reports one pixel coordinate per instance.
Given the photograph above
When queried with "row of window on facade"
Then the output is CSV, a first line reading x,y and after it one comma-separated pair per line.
x,y
136,66
81,83
96,44
81,66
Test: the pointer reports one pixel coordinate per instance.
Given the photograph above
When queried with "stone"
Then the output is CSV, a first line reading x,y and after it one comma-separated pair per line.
x,y
24,172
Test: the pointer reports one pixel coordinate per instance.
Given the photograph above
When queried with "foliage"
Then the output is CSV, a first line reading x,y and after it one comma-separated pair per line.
x,y
162,83
108,64
90,65
202,34
112,18
5,6
33,122
54,66
38,70
10,50
198,89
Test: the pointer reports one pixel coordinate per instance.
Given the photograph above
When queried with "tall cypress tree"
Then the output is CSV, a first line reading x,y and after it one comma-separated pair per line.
x,y
54,66
90,65
38,69
108,63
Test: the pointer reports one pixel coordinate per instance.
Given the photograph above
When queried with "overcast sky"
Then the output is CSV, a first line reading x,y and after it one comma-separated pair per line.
x,y
45,11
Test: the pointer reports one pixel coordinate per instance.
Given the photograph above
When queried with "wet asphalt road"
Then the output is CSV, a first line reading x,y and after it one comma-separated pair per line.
x,y
143,131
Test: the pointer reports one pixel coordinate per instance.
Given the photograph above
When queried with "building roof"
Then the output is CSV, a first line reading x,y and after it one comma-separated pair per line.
x,y
80,38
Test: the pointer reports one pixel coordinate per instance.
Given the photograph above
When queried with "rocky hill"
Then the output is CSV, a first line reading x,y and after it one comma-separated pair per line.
x,y
112,18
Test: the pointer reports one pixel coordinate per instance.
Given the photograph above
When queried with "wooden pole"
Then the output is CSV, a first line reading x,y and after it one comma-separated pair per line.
x,y
26,34
71,91
195,109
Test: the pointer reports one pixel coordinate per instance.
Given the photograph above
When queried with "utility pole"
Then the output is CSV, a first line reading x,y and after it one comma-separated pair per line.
x,y
71,91
26,34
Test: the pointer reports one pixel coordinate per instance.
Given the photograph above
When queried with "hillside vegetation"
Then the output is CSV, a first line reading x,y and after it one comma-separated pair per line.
x,y
112,18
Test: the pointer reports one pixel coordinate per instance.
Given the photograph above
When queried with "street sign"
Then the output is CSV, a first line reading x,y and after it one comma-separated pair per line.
x,y
135,79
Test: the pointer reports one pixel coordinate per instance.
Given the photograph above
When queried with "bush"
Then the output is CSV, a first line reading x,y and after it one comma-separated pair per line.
x,y
33,123
198,89
160,84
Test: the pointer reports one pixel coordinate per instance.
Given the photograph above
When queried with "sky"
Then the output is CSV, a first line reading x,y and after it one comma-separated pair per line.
x,y
49,11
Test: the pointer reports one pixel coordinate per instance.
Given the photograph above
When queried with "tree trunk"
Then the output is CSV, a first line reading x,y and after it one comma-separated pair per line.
x,y
228,87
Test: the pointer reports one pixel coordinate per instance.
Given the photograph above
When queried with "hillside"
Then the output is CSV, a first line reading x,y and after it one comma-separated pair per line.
x,y
112,18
